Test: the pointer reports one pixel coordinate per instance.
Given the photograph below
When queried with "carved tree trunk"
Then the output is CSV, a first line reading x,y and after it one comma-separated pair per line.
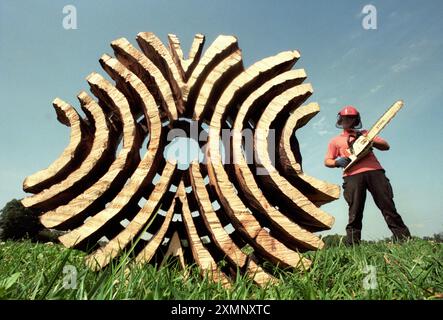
x,y
240,209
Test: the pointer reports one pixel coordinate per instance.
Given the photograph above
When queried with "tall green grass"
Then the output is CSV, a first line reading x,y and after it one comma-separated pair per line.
x,y
412,270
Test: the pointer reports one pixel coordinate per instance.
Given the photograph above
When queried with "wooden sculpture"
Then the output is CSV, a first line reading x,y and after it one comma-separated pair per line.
x,y
106,188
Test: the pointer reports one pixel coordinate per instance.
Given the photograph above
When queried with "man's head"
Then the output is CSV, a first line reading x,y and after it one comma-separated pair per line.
x,y
348,118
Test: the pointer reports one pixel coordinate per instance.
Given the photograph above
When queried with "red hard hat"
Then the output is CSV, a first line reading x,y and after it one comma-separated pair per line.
x,y
349,111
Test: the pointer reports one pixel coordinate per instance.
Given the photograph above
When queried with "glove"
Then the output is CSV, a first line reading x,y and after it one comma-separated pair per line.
x,y
342,162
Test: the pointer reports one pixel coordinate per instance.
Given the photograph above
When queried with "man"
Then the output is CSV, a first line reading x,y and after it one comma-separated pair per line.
x,y
365,174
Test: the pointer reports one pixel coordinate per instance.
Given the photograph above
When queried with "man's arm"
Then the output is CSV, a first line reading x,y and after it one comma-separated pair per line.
x,y
340,162
332,158
380,145
331,154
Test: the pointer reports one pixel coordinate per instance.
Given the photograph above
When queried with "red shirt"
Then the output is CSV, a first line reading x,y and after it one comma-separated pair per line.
x,y
337,148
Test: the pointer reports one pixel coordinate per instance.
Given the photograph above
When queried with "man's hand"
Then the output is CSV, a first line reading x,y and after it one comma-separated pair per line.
x,y
342,162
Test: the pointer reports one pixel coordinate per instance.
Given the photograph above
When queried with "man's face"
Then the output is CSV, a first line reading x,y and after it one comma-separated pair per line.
x,y
348,121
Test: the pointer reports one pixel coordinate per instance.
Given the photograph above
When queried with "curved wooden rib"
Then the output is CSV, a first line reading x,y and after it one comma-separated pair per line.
x,y
186,66
201,255
297,202
221,48
243,220
175,250
146,254
126,161
70,158
298,118
219,235
263,239
70,187
216,82
101,156
148,72
212,222
154,49
146,169
324,192
103,256
94,166
288,231
177,54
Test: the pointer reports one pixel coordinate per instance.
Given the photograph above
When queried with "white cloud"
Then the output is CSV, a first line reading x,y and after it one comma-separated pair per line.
x,y
405,63
393,14
319,123
332,100
376,88
358,15
420,43
343,58
356,34
321,126
349,53
400,16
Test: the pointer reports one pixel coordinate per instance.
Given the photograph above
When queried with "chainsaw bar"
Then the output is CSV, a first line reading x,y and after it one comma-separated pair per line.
x,y
363,144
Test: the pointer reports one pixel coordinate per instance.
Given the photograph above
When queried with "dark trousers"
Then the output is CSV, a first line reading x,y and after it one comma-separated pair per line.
x,y
378,184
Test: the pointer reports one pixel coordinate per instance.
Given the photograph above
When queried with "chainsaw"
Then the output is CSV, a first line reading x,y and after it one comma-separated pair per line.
x,y
363,144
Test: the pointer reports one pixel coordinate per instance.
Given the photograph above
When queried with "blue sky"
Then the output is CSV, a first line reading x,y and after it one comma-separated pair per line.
x,y
346,64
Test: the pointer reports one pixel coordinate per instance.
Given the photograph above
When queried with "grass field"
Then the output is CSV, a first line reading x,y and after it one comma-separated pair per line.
x,y
412,270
